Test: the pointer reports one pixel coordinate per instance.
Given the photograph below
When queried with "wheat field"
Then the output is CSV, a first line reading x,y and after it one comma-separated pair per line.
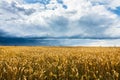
x,y
59,63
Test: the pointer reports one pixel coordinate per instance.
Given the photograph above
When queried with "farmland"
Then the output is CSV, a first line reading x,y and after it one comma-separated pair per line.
x,y
59,63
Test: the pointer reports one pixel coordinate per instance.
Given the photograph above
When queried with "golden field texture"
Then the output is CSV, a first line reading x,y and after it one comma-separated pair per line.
x,y
59,63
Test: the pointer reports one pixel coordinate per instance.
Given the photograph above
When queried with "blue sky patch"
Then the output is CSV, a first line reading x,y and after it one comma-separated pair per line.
x,y
65,6
38,1
116,11
60,1
31,1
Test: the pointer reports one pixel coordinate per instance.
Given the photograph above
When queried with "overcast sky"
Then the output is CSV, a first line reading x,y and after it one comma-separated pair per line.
x,y
72,22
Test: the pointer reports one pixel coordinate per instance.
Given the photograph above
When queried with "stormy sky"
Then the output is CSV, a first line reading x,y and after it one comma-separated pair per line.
x,y
60,22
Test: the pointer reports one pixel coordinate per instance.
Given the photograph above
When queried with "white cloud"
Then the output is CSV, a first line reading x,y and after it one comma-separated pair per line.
x,y
90,42
107,3
114,3
105,43
113,30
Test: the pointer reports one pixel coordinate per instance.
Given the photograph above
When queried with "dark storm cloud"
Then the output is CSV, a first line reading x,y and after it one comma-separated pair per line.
x,y
13,41
3,33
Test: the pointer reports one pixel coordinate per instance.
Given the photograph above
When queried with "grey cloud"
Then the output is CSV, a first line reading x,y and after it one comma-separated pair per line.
x,y
22,9
94,25
59,25
13,8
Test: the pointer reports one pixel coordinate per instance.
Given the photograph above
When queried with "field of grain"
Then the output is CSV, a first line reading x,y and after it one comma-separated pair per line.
x,y
59,63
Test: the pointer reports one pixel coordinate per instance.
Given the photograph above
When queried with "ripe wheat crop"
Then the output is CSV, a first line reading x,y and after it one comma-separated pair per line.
x,y
59,63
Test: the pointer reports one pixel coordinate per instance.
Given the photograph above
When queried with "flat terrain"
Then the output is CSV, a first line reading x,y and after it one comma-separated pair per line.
x,y
59,63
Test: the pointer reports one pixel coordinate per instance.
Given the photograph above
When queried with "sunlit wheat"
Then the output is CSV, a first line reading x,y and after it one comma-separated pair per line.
x,y
59,63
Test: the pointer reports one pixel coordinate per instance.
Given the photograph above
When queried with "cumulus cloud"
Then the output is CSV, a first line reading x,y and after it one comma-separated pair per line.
x,y
60,18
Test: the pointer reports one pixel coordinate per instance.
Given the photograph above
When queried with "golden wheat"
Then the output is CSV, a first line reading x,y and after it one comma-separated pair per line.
x,y
59,63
